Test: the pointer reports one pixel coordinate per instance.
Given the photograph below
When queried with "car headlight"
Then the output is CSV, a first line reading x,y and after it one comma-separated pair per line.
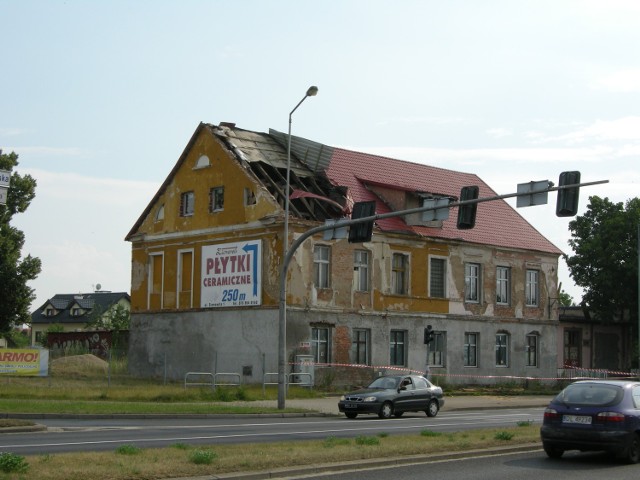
x,y
370,399
342,398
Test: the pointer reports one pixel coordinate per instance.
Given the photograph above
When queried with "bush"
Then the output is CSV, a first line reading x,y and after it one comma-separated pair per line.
x,y
331,442
503,436
203,457
128,449
364,440
10,462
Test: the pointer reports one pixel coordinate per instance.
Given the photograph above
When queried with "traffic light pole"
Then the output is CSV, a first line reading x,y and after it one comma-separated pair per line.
x,y
282,340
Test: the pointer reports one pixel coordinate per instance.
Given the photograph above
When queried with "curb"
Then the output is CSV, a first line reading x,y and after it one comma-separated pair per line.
x,y
328,468
24,429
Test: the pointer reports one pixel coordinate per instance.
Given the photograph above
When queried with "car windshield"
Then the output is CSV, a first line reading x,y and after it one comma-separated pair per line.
x,y
384,382
592,394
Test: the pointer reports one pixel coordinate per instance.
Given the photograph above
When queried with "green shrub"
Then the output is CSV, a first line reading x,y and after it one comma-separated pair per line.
x,y
128,449
364,440
503,436
202,457
430,433
330,442
10,462
180,446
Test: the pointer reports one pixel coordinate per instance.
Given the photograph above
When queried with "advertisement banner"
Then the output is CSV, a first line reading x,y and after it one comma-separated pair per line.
x,y
28,362
231,275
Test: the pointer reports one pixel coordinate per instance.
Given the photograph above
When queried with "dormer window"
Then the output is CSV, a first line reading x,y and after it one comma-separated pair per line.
x,y
160,213
203,162
49,312
249,197
76,312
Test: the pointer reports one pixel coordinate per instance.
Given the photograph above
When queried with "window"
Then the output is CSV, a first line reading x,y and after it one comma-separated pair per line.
x,y
360,346
472,282
203,162
437,277
216,199
320,344
572,354
470,349
249,197
156,274
397,348
321,266
531,288
160,213
187,202
399,274
49,312
502,350
532,350
185,278
503,285
361,270
436,350
76,312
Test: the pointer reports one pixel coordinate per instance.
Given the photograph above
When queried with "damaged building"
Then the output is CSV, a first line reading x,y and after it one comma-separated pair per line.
x,y
208,249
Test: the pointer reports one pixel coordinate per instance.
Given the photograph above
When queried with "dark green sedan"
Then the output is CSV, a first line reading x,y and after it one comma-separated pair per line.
x,y
390,396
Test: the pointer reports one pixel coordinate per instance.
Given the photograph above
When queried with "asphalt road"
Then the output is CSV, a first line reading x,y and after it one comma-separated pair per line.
x,y
507,466
100,434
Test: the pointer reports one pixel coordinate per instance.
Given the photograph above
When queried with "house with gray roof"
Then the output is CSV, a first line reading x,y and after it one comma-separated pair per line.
x,y
74,311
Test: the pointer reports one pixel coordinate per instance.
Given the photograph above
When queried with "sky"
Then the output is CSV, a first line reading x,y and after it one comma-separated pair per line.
x,y
99,99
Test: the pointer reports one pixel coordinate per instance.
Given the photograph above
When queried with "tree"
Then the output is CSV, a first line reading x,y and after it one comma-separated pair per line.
x,y
16,296
605,260
115,320
564,299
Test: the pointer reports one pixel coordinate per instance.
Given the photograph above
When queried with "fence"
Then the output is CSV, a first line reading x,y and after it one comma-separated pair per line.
x,y
111,366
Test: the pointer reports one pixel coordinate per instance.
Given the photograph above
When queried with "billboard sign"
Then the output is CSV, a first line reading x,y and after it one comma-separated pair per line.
x,y
231,275
25,362
5,178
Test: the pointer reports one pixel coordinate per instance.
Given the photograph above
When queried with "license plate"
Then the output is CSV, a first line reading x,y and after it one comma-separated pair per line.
x,y
583,419
350,405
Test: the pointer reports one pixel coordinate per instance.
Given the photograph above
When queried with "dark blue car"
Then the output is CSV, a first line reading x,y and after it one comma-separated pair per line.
x,y
392,396
594,415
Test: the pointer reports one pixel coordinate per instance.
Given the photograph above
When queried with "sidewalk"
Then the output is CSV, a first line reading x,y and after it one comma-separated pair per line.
x,y
329,405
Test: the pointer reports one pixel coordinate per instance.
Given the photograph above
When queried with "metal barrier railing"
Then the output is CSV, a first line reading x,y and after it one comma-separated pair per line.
x,y
292,376
199,375
266,377
235,376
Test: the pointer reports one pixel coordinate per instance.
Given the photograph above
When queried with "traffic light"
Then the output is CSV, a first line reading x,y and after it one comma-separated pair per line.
x,y
361,232
467,213
567,203
428,335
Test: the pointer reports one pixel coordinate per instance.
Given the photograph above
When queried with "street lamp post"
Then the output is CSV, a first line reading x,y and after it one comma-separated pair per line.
x,y
282,330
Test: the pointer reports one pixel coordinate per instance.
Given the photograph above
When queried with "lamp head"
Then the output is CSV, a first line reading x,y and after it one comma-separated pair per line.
x,y
312,91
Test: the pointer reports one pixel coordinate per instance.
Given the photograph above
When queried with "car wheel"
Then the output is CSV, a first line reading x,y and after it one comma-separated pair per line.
x,y
632,454
386,411
350,414
552,452
397,414
432,408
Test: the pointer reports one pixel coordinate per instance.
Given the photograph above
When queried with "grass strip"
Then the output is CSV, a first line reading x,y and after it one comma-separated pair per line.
x,y
184,461
77,407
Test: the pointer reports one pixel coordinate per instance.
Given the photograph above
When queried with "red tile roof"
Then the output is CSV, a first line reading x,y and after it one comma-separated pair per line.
x,y
497,223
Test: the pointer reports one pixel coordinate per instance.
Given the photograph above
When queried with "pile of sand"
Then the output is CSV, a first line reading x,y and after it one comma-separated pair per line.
x,y
79,365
